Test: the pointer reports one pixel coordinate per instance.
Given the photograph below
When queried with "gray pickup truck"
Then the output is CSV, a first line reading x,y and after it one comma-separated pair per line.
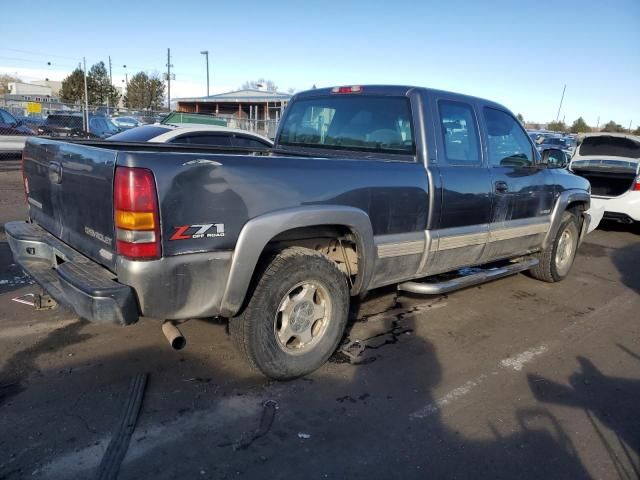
x,y
365,186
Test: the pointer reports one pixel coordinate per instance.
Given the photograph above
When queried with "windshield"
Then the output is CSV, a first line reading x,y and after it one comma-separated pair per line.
x,y
139,134
606,145
361,123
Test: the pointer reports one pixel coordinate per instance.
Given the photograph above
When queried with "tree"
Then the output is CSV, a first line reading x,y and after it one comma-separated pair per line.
x,y
72,89
580,126
145,91
612,126
520,118
637,131
557,126
99,86
261,82
5,80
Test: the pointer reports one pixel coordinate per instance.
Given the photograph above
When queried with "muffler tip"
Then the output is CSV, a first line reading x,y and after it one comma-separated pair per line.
x,y
174,336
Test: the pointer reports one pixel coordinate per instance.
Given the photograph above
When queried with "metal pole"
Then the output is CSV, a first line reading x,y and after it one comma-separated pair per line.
x,y
86,97
598,122
169,79
630,125
561,99
110,86
206,54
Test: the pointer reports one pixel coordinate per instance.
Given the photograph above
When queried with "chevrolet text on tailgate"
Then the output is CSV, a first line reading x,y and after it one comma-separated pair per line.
x,y
365,186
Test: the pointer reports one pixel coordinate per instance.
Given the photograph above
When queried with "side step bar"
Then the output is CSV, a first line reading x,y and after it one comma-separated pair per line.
x,y
438,288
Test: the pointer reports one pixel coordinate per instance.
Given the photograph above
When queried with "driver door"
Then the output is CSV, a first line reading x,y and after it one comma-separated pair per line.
x,y
522,190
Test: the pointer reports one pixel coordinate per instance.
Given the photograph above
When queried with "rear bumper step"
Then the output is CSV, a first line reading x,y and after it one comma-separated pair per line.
x,y
77,282
438,288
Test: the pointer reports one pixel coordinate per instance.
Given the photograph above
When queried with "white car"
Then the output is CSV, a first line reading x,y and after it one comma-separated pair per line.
x,y
611,163
194,134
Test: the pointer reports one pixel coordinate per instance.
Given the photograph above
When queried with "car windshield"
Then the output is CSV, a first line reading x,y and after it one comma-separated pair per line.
x,y
139,134
377,124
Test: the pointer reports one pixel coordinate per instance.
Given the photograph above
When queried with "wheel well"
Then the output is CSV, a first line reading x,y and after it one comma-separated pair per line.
x,y
337,242
577,208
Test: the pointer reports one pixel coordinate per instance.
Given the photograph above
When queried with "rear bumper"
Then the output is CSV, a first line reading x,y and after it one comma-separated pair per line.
x,y
626,206
69,277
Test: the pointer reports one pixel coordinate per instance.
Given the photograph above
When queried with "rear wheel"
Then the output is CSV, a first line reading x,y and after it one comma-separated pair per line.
x,y
296,315
557,260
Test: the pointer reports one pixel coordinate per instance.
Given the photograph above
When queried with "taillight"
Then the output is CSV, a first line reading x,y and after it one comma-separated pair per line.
x,y
636,185
352,89
136,213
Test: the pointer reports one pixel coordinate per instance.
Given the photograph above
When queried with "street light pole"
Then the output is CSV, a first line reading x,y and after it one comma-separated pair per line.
x,y
206,54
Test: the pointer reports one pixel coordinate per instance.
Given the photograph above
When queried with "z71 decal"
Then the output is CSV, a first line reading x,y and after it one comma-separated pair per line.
x,y
188,232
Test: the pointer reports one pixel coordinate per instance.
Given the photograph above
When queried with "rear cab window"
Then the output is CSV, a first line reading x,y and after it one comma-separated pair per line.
x,y
373,124
460,136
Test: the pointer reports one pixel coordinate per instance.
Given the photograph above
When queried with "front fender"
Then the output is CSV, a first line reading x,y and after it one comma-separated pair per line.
x,y
258,231
565,199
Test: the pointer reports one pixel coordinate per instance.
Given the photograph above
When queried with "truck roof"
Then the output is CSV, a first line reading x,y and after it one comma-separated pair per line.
x,y
395,90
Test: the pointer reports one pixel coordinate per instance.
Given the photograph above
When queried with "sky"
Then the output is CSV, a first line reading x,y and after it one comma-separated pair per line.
x,y
517,53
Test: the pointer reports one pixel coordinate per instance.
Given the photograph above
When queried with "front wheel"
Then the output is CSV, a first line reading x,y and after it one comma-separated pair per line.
x,y
296,315
556,261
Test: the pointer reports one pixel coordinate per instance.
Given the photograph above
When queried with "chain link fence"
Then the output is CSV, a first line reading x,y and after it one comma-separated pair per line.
x,y
20,119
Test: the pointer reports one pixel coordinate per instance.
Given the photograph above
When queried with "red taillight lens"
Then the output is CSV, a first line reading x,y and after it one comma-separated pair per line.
x,y
136,215
351,89
636,186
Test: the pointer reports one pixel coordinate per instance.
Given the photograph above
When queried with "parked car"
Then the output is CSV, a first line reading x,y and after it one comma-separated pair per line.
x,y
194,135
558,142
125,123
72,125
13,133
365,186
611,163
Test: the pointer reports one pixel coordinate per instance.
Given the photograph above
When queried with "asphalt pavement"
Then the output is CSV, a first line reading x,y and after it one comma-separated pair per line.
x,y
511,379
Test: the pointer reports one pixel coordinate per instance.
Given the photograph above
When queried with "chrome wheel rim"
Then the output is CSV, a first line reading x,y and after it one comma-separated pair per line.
x,y
302,317
564,252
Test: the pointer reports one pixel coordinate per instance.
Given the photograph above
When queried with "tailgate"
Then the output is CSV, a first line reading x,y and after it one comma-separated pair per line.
x,y
71,195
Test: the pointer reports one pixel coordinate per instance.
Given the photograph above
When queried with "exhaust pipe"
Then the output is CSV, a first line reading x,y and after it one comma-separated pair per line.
x,y
175,337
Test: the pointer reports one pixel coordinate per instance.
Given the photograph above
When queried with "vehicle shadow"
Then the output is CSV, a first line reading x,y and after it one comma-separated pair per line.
x,y
376,417
627,261
613,401
372,419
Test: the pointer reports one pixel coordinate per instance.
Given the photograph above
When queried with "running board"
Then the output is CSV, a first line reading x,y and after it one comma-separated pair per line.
x,y
438,288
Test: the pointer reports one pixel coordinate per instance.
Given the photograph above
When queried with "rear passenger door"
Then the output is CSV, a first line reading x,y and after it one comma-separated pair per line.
x,y
465,186
522,190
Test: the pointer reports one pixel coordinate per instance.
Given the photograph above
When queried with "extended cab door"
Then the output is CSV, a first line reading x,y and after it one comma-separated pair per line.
x,y
464,186
522,190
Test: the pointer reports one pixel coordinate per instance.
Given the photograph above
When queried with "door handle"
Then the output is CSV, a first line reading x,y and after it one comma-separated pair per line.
x,y
501,187
55,172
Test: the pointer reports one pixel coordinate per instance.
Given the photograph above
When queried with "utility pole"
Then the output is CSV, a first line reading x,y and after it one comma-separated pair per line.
x,y
109,91
598,123
630,125
561,99
86,97
206,54
169,78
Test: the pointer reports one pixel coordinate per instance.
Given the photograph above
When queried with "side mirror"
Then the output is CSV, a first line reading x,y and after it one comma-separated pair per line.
x,y
554,158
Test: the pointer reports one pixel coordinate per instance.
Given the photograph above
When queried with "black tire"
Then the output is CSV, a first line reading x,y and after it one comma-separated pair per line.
x,y
549,268
256,331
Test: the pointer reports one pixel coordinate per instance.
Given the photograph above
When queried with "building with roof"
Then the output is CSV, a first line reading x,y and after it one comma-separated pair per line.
x,y
261,105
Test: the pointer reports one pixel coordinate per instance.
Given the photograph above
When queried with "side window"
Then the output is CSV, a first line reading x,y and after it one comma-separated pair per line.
x,y
6,118
459,133
508,144
239,141
215,140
